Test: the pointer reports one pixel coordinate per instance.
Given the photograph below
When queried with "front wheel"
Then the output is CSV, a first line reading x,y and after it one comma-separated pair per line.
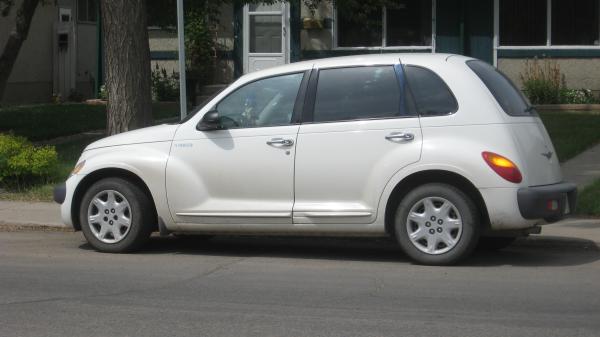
x,y
116,216
437,224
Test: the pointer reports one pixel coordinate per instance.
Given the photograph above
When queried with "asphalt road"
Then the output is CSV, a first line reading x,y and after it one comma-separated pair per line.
x,y
53,284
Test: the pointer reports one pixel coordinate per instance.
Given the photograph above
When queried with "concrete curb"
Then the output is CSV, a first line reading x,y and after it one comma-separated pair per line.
x,y
33,227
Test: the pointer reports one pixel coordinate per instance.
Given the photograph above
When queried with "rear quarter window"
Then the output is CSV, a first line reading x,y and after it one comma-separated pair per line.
x,y
431,94
511,99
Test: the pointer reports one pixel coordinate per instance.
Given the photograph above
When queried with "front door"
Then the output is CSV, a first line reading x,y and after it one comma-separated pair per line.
x,y
265,36
242,172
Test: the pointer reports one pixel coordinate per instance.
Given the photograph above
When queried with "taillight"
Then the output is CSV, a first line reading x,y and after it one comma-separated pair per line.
x,y
503,166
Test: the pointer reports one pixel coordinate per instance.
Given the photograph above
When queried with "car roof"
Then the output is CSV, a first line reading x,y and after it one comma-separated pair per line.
x,y
355,60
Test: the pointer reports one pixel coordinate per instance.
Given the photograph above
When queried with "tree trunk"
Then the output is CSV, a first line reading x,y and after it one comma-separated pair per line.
x,y
127,59
15,41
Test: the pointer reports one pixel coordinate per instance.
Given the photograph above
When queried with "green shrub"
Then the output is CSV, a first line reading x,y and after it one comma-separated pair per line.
x,y
543,82
22,163
165,87
103,93
577,96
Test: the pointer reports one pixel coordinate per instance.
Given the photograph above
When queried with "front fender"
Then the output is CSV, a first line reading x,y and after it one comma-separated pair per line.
x,y
146,161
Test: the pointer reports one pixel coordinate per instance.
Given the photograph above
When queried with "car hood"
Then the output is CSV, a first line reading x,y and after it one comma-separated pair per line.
x,y
158,133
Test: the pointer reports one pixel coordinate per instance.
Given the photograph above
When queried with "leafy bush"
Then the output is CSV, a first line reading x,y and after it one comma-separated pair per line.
x,y
22,163
543,83
165,87
577,96
103,94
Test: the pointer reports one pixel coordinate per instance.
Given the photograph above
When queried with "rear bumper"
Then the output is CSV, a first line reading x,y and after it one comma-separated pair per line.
x,y
550,202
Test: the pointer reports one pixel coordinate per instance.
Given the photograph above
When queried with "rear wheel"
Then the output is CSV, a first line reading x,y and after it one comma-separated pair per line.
x,y
116,216
437,224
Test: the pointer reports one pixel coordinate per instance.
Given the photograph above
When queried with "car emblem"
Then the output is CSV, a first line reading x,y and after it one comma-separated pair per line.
x,y
548,154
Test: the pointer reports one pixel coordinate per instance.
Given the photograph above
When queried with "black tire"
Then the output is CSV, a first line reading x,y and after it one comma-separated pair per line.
x,y
495,243
142,216
465,207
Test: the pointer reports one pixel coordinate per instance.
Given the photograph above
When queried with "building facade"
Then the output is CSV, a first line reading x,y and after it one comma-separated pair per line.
x,y
504,33
61,55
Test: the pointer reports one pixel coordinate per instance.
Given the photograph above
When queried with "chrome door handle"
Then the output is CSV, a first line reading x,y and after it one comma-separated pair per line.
x,y
280,142
403,136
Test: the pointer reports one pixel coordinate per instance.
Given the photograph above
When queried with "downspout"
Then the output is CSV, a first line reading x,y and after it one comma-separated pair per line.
x,y
99,54
181,42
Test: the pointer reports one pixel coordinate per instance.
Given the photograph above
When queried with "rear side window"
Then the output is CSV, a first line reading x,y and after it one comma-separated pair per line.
x,y
431,94
506,93
357,93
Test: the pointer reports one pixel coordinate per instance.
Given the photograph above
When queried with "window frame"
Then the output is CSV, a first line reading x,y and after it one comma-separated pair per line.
x,y
384,46
311,95
414,100
548,44
298,102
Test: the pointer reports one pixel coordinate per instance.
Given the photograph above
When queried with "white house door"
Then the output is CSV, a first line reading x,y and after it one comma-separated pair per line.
x,y
266,42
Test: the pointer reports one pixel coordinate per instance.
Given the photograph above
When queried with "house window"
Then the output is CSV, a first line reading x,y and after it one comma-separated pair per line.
x,y
549,23
575,22
406,23
523,23
87,10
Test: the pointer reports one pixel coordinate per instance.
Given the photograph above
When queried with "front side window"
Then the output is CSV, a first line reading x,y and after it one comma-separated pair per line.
x,y
431,94
263,103
407,23
508,96
357,93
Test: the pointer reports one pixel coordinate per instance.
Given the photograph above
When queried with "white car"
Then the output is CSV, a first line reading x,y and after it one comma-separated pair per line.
x,y
434,150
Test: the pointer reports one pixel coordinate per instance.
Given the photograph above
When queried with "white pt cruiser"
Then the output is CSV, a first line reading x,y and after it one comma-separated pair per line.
x,y
438,151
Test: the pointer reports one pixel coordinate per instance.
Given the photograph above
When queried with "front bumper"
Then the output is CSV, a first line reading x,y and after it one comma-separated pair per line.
x,y
550,202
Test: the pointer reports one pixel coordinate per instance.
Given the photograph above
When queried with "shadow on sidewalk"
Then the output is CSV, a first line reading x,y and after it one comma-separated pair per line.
x,y
536,251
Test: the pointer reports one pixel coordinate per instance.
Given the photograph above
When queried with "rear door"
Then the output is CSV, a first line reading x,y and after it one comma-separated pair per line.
x,y
358,132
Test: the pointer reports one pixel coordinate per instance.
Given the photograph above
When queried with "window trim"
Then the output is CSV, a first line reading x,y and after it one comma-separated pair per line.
x,y
311,96
548,45
432,46
407,84
296,112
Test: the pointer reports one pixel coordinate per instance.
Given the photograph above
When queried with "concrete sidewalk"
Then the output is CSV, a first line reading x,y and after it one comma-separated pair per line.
x,y
31,215
584,169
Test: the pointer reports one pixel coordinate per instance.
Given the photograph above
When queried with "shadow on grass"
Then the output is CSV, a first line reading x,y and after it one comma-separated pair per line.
x,y
535,251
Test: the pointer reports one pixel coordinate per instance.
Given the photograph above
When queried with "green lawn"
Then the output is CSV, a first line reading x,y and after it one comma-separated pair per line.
x,y
47,121
589,200
572,132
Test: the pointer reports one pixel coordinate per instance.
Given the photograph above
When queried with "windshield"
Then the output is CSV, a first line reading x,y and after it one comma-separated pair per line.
x,y
512,101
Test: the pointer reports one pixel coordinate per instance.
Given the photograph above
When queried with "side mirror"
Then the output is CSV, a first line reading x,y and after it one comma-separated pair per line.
x,y
210,121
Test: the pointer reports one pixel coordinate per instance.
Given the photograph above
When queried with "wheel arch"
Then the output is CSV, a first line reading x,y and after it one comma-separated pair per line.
x,y
433,176
98,175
